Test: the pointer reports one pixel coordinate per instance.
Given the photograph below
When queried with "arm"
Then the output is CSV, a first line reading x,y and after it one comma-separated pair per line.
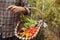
x,y
24,8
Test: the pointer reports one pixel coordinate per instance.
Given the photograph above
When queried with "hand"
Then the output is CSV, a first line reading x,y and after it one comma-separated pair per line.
x,y
16,9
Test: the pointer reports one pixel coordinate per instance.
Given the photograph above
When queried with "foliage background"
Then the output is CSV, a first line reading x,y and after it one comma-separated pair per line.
x,y
51,15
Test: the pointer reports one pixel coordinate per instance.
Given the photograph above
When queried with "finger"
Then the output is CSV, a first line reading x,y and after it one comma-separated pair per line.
x,y
15,11
9,7
14,7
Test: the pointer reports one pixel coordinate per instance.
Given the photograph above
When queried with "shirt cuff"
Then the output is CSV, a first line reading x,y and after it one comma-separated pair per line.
x,y
28,10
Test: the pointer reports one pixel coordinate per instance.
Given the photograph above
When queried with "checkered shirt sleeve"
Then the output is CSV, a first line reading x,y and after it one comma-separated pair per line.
x,y
8,20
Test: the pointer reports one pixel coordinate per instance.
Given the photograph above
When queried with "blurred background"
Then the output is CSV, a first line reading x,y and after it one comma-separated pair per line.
x,y
50,10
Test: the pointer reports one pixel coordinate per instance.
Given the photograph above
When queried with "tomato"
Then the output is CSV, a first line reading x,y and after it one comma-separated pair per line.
x,y
29,32
21,34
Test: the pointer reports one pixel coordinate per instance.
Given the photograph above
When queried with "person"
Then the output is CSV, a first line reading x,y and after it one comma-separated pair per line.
x,y
9,16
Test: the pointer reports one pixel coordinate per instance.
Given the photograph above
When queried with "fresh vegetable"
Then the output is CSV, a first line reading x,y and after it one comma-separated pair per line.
x,y
28,32
29,28
29,22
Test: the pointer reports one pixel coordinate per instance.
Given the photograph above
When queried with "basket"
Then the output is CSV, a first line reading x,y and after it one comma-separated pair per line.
x,y
39,24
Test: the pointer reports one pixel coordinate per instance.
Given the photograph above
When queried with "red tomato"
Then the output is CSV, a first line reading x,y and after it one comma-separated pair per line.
x,y
21,34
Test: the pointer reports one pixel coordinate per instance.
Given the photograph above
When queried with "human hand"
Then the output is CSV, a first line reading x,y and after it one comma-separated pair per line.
x,y
16,9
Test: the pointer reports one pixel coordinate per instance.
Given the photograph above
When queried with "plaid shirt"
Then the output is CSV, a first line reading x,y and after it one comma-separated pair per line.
x,y
9,20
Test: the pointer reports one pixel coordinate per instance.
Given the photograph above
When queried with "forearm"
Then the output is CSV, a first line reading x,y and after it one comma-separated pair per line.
x,y
18,9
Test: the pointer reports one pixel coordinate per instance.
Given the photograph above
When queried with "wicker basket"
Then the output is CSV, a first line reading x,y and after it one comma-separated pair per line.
x,y
16,31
